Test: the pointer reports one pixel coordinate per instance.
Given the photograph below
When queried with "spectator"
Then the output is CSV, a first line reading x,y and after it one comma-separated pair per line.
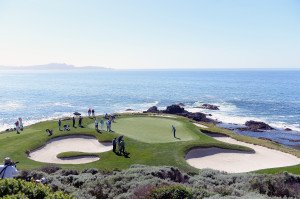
x,y
17,126
96,125
101,124
122,147
59,124
8,169
66,127
114,143
73,122
21,124
80,122
50,132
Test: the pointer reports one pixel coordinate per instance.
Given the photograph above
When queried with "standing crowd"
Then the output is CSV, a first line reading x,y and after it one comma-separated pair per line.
x,y
119,141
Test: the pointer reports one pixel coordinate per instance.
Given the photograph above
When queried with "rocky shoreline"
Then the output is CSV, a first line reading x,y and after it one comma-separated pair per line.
x,y
257,127
176,109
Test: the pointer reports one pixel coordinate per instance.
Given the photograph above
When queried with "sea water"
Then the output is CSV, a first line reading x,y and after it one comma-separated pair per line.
x,y
272,96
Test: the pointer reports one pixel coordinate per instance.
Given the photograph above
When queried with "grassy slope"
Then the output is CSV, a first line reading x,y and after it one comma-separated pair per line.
x,y
156,154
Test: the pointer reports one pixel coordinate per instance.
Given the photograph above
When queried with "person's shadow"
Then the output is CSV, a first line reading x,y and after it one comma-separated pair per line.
x,y
177,138
99,131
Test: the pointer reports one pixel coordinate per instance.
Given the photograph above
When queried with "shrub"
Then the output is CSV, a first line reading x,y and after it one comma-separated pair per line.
x,y
49,169
17,188
171,192
69,172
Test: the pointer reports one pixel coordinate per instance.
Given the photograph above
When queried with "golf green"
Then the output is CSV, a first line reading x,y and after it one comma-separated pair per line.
x,y
153,129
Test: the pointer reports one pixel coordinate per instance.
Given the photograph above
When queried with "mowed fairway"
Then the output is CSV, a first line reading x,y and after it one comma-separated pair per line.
x,y
153,129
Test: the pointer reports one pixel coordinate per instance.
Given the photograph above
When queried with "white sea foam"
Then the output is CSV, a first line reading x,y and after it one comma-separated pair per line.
x,y
11,105
229,113
4,126
138,107
57,104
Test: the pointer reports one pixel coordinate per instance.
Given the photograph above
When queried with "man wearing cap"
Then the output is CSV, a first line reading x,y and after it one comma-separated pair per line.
x,y
8,169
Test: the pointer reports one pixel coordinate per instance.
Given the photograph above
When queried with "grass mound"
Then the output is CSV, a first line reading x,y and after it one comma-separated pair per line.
x,y
75,154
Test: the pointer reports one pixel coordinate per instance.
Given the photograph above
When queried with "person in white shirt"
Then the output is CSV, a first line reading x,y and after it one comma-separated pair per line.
x,y
102,124
21,123
8,169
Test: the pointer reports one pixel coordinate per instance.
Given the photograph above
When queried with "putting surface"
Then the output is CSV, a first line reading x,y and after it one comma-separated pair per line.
x,y
153,129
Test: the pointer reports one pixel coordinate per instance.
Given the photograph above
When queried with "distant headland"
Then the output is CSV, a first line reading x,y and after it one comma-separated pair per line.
x,y
53,66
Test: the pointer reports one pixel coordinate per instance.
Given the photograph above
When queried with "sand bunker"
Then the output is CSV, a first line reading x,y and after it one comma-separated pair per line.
x,y
80,143
233,161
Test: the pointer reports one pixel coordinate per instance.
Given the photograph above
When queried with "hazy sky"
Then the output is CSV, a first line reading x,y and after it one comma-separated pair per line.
x,y
151,33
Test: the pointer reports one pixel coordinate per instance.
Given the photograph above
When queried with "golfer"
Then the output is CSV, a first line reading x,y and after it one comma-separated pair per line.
x,y
174,131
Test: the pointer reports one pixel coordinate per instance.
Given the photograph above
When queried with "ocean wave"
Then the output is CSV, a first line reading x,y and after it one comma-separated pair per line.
x,y
57,104
135,106
27,122
11,105
229,113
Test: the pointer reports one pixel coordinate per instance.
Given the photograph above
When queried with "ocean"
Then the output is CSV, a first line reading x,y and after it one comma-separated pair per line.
x,y
272,96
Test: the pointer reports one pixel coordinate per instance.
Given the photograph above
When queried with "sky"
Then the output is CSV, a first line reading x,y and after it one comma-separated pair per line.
x,y
151,34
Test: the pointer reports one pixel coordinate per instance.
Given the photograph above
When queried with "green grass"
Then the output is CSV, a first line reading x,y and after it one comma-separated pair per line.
x,y
153,129
74,154
149,141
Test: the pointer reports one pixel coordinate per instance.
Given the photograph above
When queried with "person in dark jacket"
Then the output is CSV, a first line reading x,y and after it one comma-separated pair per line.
x,y
59,124
114,143
80,122
73,121
174,131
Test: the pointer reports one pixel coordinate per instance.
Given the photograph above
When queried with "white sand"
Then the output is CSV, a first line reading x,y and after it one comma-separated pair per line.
x,y
233,161
80,143
200,125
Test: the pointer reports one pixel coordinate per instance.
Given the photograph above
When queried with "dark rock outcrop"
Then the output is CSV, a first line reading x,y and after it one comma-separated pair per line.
x,y
209,106
288,129
152,109
195,116
174,109
255,126
294,140
247,129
